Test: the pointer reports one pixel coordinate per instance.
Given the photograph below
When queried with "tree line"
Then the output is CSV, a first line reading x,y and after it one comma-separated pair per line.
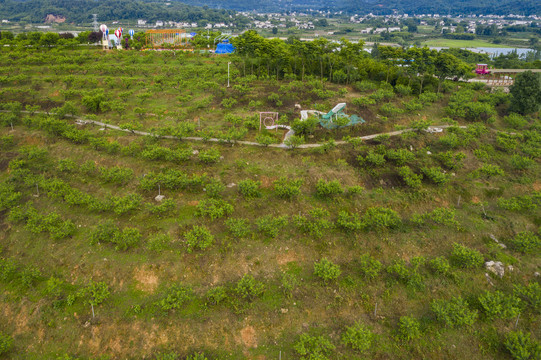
x,y
341,62
35,11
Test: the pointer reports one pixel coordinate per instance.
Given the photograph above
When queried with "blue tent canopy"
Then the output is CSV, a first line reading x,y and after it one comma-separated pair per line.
x,y
224,48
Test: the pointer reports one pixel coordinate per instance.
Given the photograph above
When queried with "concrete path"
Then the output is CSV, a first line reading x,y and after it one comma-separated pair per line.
x,y
290,133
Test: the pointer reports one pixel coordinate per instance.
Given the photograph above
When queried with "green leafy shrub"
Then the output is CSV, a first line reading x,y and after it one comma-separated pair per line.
x,y
519,203
413,105
436,175
287,189
382,94
209,156
305,127
8,270
409,328
115,175
129,237
213,208
249,288
326,270
521,162
409,177
163,356
176,297
95,293
29,276
289,282
363,101
402,90
199,237
530,295
294,141
515,121
507,142
163,207
498,305
439,265
354,190
158,242
313,347
372,159
462,104
369,267
125,204
315,223
428,97
379,218
250,188
406,274
214,189
400,156
9,197
359,337
5,343
328,188
441,215
107,232
465,257
270,226
349,222
239,228
94,100
173,180
491,170
216,295
365,85
67,166
265,140
451,160
54,286
228,103
6,142
197,356
521,346
37,223
453,312
390,109
155,152
525,242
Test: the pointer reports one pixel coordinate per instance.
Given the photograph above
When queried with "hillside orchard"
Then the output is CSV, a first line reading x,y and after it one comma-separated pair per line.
x,y
410,245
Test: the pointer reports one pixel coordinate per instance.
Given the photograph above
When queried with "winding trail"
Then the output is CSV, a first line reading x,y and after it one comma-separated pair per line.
x,y
82,121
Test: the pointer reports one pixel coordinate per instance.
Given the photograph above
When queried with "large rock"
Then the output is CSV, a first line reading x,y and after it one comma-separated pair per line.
x,y
496,267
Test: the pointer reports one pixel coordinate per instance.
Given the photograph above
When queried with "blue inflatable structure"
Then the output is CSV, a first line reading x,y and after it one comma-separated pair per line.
x,y
224,48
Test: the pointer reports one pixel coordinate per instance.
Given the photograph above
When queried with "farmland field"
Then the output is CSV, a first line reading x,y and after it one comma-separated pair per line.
x,y
461,43
368,249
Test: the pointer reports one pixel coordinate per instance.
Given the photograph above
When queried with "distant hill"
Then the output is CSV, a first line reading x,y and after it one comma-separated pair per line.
x,y
80,11
443,7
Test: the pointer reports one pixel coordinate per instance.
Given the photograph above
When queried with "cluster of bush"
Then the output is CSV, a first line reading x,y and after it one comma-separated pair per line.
x,y
237,295
521,202
11,272
37,223
108,232
172,179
